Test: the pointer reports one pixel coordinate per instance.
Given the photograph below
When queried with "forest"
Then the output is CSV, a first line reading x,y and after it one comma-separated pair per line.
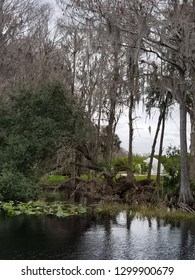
x,y
68,71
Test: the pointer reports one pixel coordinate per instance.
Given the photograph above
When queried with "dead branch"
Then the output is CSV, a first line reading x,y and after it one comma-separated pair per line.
x,y
78,187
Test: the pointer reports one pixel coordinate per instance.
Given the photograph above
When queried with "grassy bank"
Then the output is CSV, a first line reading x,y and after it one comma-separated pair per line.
x,y
146,211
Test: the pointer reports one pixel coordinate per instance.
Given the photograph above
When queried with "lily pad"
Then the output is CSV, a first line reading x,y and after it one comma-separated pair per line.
x,y
57,208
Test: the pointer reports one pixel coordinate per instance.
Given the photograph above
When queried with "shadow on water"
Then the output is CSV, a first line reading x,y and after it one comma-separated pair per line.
x,y
95,237
187,246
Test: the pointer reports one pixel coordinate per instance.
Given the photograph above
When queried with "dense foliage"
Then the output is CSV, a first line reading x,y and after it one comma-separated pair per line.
x,y
171,164
34,122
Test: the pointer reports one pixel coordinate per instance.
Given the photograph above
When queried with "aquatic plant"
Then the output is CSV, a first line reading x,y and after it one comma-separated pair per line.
x,y
36,208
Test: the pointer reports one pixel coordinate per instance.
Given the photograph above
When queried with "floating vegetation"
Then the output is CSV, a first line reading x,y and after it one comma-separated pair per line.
x,y
37,208
62,209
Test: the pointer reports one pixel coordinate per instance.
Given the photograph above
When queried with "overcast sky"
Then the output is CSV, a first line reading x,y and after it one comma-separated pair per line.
x,y
142,142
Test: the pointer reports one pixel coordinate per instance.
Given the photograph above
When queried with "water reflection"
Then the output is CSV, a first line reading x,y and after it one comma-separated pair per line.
x,y
95,237
187,241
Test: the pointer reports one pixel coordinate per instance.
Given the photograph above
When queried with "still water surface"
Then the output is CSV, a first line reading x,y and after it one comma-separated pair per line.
x,y
86,237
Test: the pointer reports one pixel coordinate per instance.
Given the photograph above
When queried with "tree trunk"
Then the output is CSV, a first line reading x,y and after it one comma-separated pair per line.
x,y
74,63
154,145
113,97
1,20
161,147
130,176
109,140
165,105
185,195
192,121
97,143
192,152
73,169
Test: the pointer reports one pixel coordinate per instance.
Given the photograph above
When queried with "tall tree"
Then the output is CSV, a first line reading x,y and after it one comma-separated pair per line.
x,y
171,43
28,44
99,65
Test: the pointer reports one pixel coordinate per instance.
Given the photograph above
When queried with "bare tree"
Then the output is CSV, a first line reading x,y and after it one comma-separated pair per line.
x,y
99,65
28,44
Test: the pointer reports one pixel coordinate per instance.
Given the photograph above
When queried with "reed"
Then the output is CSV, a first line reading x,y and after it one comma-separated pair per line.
x,y
148,211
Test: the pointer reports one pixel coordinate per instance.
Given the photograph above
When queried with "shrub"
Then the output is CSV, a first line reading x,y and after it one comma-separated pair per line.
x,y
15,186
35,123
172,166
120,162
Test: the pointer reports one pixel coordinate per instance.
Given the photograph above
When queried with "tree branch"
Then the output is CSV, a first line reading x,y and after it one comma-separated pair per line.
x,y
164,59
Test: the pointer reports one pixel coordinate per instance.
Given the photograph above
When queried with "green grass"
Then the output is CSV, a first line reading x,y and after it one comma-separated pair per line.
x,y
144,211
161,212
137,177
54,179
142,177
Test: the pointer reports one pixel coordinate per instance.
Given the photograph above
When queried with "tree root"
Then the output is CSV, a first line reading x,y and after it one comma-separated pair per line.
x,y
185,208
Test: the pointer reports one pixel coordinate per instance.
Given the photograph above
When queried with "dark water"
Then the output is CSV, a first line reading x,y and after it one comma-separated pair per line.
x,y
87,237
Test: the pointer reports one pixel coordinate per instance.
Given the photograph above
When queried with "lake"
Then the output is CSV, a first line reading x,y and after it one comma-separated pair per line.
x,y
88,237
